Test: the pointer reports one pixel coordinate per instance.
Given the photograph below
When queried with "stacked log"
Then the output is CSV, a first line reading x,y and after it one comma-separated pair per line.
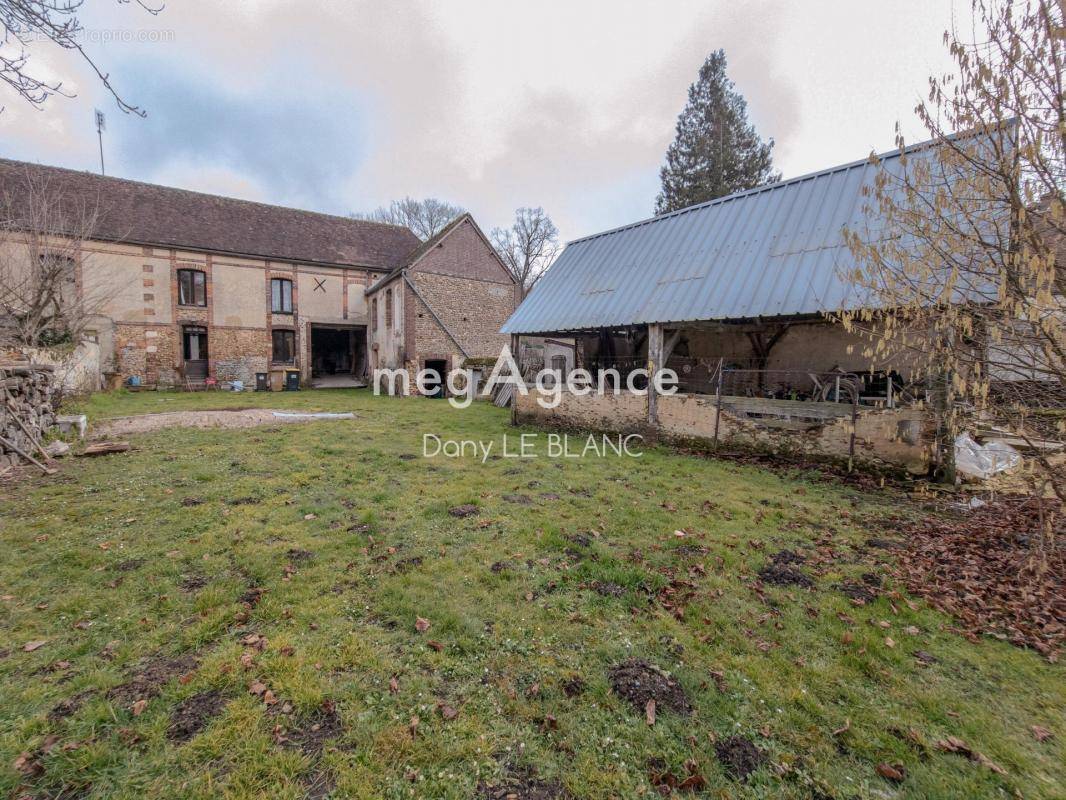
x,y
28,400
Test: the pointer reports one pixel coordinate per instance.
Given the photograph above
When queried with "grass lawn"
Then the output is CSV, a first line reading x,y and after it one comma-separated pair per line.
x,y
234,613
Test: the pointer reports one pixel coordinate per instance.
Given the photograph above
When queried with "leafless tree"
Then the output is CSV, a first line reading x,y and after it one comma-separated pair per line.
x,y
25,24
960,252
424,217
42,233
528,247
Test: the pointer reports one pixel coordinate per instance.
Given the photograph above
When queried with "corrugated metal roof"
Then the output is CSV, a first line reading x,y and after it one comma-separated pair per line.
x,y
772,251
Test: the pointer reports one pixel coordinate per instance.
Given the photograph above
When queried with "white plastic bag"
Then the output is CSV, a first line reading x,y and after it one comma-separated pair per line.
x,y
984,460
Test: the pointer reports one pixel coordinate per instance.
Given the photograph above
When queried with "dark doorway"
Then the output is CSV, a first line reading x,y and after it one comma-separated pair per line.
x,y
338,355
439,366
194,352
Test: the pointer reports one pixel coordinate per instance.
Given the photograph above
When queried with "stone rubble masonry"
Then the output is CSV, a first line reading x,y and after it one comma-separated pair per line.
x,y
897,438
461,283
473,310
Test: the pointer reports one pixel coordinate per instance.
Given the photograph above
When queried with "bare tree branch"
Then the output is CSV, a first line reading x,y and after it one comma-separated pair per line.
x,y
25,24
528,247
423,217
42,233
964,243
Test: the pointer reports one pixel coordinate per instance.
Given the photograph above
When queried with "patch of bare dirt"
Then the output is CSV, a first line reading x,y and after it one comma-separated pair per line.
x,y
193,715
781,570
522,784
313,734
865,589
405,565
465,510
574,686
193,583
154,675
247,500
788,557
977,567
637,682
68,707
738,756
128,565
783,575
252,596
320,785
580,539
223,418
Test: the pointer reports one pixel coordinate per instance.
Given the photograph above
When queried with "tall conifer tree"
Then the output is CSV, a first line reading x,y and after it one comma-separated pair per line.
x,y
716,151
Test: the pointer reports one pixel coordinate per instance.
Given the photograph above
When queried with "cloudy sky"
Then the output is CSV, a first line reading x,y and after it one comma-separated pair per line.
x,y
570,104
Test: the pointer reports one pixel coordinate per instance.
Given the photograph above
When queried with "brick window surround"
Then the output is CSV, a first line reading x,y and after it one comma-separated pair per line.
x,y
192,288
283,346
280,296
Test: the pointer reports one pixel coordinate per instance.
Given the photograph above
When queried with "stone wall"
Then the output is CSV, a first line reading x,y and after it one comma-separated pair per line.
x,y
239,353
897,438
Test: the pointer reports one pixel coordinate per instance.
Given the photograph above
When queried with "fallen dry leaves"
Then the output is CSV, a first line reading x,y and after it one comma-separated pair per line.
x,y
447,712
1040,733
955,745
973,567
892,772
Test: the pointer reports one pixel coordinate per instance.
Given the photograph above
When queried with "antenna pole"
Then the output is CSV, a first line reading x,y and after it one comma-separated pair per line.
x,y
100,134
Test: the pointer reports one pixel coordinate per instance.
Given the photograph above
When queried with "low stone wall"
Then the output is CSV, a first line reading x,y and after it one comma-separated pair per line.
x,y
883,437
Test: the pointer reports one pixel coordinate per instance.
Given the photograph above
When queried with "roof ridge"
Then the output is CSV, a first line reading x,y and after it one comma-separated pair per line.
x,y
94,176
757,189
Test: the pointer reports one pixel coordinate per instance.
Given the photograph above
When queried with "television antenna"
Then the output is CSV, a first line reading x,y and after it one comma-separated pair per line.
x,y
101,124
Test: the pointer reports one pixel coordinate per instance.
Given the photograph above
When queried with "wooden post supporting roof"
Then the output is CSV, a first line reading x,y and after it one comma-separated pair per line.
x,y
516,343
656,351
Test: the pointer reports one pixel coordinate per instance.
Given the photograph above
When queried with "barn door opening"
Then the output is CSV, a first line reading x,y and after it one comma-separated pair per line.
x,y
338,355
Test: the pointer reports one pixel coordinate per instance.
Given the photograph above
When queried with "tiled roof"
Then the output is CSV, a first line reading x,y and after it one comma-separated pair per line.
x,y
421,250
144,213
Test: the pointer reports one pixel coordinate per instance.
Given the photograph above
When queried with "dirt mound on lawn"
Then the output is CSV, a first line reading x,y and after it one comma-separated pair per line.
x,y
638,682
193,715
739,756
522,784
155,674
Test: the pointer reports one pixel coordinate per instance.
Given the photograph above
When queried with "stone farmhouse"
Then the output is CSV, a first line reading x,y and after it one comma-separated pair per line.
x,y
442,308
198,289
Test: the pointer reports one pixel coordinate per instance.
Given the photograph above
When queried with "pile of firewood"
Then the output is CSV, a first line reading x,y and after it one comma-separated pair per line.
x,y
28,399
